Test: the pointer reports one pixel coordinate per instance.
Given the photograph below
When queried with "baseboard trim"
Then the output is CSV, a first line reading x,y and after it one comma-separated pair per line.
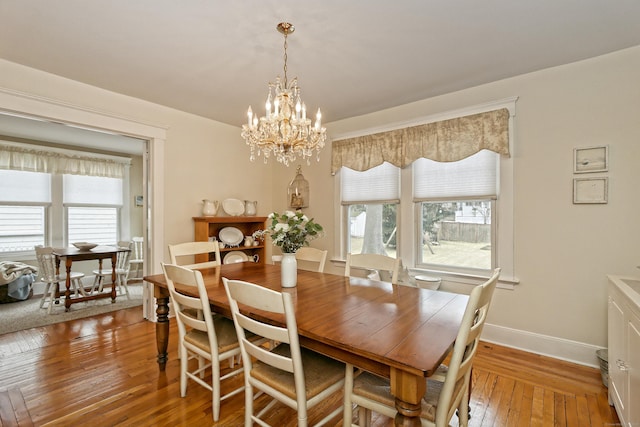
x,y
545,345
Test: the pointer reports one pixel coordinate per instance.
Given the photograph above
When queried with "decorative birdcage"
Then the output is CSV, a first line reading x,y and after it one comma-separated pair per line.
x,y
298,191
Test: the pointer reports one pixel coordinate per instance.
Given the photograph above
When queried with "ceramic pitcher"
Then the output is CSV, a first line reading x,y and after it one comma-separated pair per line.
x,y
250,207
210,207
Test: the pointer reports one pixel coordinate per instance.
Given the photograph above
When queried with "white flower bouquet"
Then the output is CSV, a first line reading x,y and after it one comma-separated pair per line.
x,y
290,230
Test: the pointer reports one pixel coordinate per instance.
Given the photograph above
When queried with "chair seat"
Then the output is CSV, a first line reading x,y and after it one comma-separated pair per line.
x,y
74,275
108,271
225,331
378,389
320,372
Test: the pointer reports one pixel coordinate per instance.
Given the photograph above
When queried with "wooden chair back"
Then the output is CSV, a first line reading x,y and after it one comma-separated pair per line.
x,y
373,262
46,264
279,371
312,255
455,390
180,251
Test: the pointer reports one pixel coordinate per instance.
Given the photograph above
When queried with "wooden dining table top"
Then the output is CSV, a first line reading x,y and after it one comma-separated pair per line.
x,y
375,325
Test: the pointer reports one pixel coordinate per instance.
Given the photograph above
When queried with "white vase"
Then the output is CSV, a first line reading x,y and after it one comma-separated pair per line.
x,y
289,270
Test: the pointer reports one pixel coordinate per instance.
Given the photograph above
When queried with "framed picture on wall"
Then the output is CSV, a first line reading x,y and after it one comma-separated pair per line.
x,y
590,190
591,159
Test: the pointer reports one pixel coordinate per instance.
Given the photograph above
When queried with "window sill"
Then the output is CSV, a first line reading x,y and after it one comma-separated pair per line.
x,y
504,282
467,279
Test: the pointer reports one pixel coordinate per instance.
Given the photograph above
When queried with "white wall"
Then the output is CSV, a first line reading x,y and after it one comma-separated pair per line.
x,y
562,251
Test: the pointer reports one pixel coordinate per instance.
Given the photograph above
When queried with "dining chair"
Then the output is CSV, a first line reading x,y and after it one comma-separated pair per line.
x,y
136,260
208,339
190,249
294,376
443,398
313,256
123,265
47,275
375,262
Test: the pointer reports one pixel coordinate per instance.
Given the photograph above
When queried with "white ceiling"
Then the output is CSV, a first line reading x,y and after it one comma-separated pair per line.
x,y
214,58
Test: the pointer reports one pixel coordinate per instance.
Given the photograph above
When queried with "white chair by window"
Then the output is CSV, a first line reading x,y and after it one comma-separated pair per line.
x,y
443,398
47,275
122,272
312,255
136,260
375,262
295,376
190,249
205,338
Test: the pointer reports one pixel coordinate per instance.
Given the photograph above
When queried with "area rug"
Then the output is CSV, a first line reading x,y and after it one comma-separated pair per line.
x,y
27,314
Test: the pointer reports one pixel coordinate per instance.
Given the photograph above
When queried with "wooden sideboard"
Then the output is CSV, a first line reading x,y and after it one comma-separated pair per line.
x,y
210,226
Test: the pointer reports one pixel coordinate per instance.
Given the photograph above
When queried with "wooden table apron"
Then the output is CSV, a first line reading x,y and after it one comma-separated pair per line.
x,y
399,332
100,252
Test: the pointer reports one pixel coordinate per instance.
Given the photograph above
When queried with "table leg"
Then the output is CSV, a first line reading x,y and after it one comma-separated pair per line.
x,y
162,325
408,390
67,292
113,277
57,283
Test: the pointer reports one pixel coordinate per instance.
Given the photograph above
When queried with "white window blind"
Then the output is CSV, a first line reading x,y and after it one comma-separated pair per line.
x,y
19,186
93,224
21,228
474,177
379,184
92,190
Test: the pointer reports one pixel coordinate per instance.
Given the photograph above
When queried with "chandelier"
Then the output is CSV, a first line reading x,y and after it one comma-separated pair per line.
x,y
284,131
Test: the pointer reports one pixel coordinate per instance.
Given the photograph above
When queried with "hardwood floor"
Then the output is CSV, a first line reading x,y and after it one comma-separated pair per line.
x,y
102,371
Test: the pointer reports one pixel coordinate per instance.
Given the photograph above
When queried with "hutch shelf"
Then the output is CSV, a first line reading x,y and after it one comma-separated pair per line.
x,y
210,226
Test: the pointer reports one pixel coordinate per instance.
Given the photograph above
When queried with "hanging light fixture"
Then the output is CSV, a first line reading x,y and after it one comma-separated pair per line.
x,y
285,131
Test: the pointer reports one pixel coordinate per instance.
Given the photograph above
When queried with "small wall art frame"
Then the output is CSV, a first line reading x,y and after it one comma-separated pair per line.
x,y
591,159
590,190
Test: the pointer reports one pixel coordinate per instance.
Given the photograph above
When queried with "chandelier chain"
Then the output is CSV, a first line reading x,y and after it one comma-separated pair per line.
x,y
285,60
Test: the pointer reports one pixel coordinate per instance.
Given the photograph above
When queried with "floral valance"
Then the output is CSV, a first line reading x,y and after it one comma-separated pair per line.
x,y
13,157
442,141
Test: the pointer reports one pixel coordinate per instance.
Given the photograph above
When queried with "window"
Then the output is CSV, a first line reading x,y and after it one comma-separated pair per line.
x,y
24,198
92,206
58,208
465,198
370,200
455,208
453,203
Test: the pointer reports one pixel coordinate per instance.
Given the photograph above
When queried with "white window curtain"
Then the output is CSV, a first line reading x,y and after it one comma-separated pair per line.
x,y
379,184
21,157
475,177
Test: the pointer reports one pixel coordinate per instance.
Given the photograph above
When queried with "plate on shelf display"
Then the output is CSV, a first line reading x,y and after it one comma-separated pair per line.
x,y
235,256
233,207
231,236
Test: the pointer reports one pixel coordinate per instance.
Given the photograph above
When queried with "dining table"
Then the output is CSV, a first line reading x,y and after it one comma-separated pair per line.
x,y
398,332
97,253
